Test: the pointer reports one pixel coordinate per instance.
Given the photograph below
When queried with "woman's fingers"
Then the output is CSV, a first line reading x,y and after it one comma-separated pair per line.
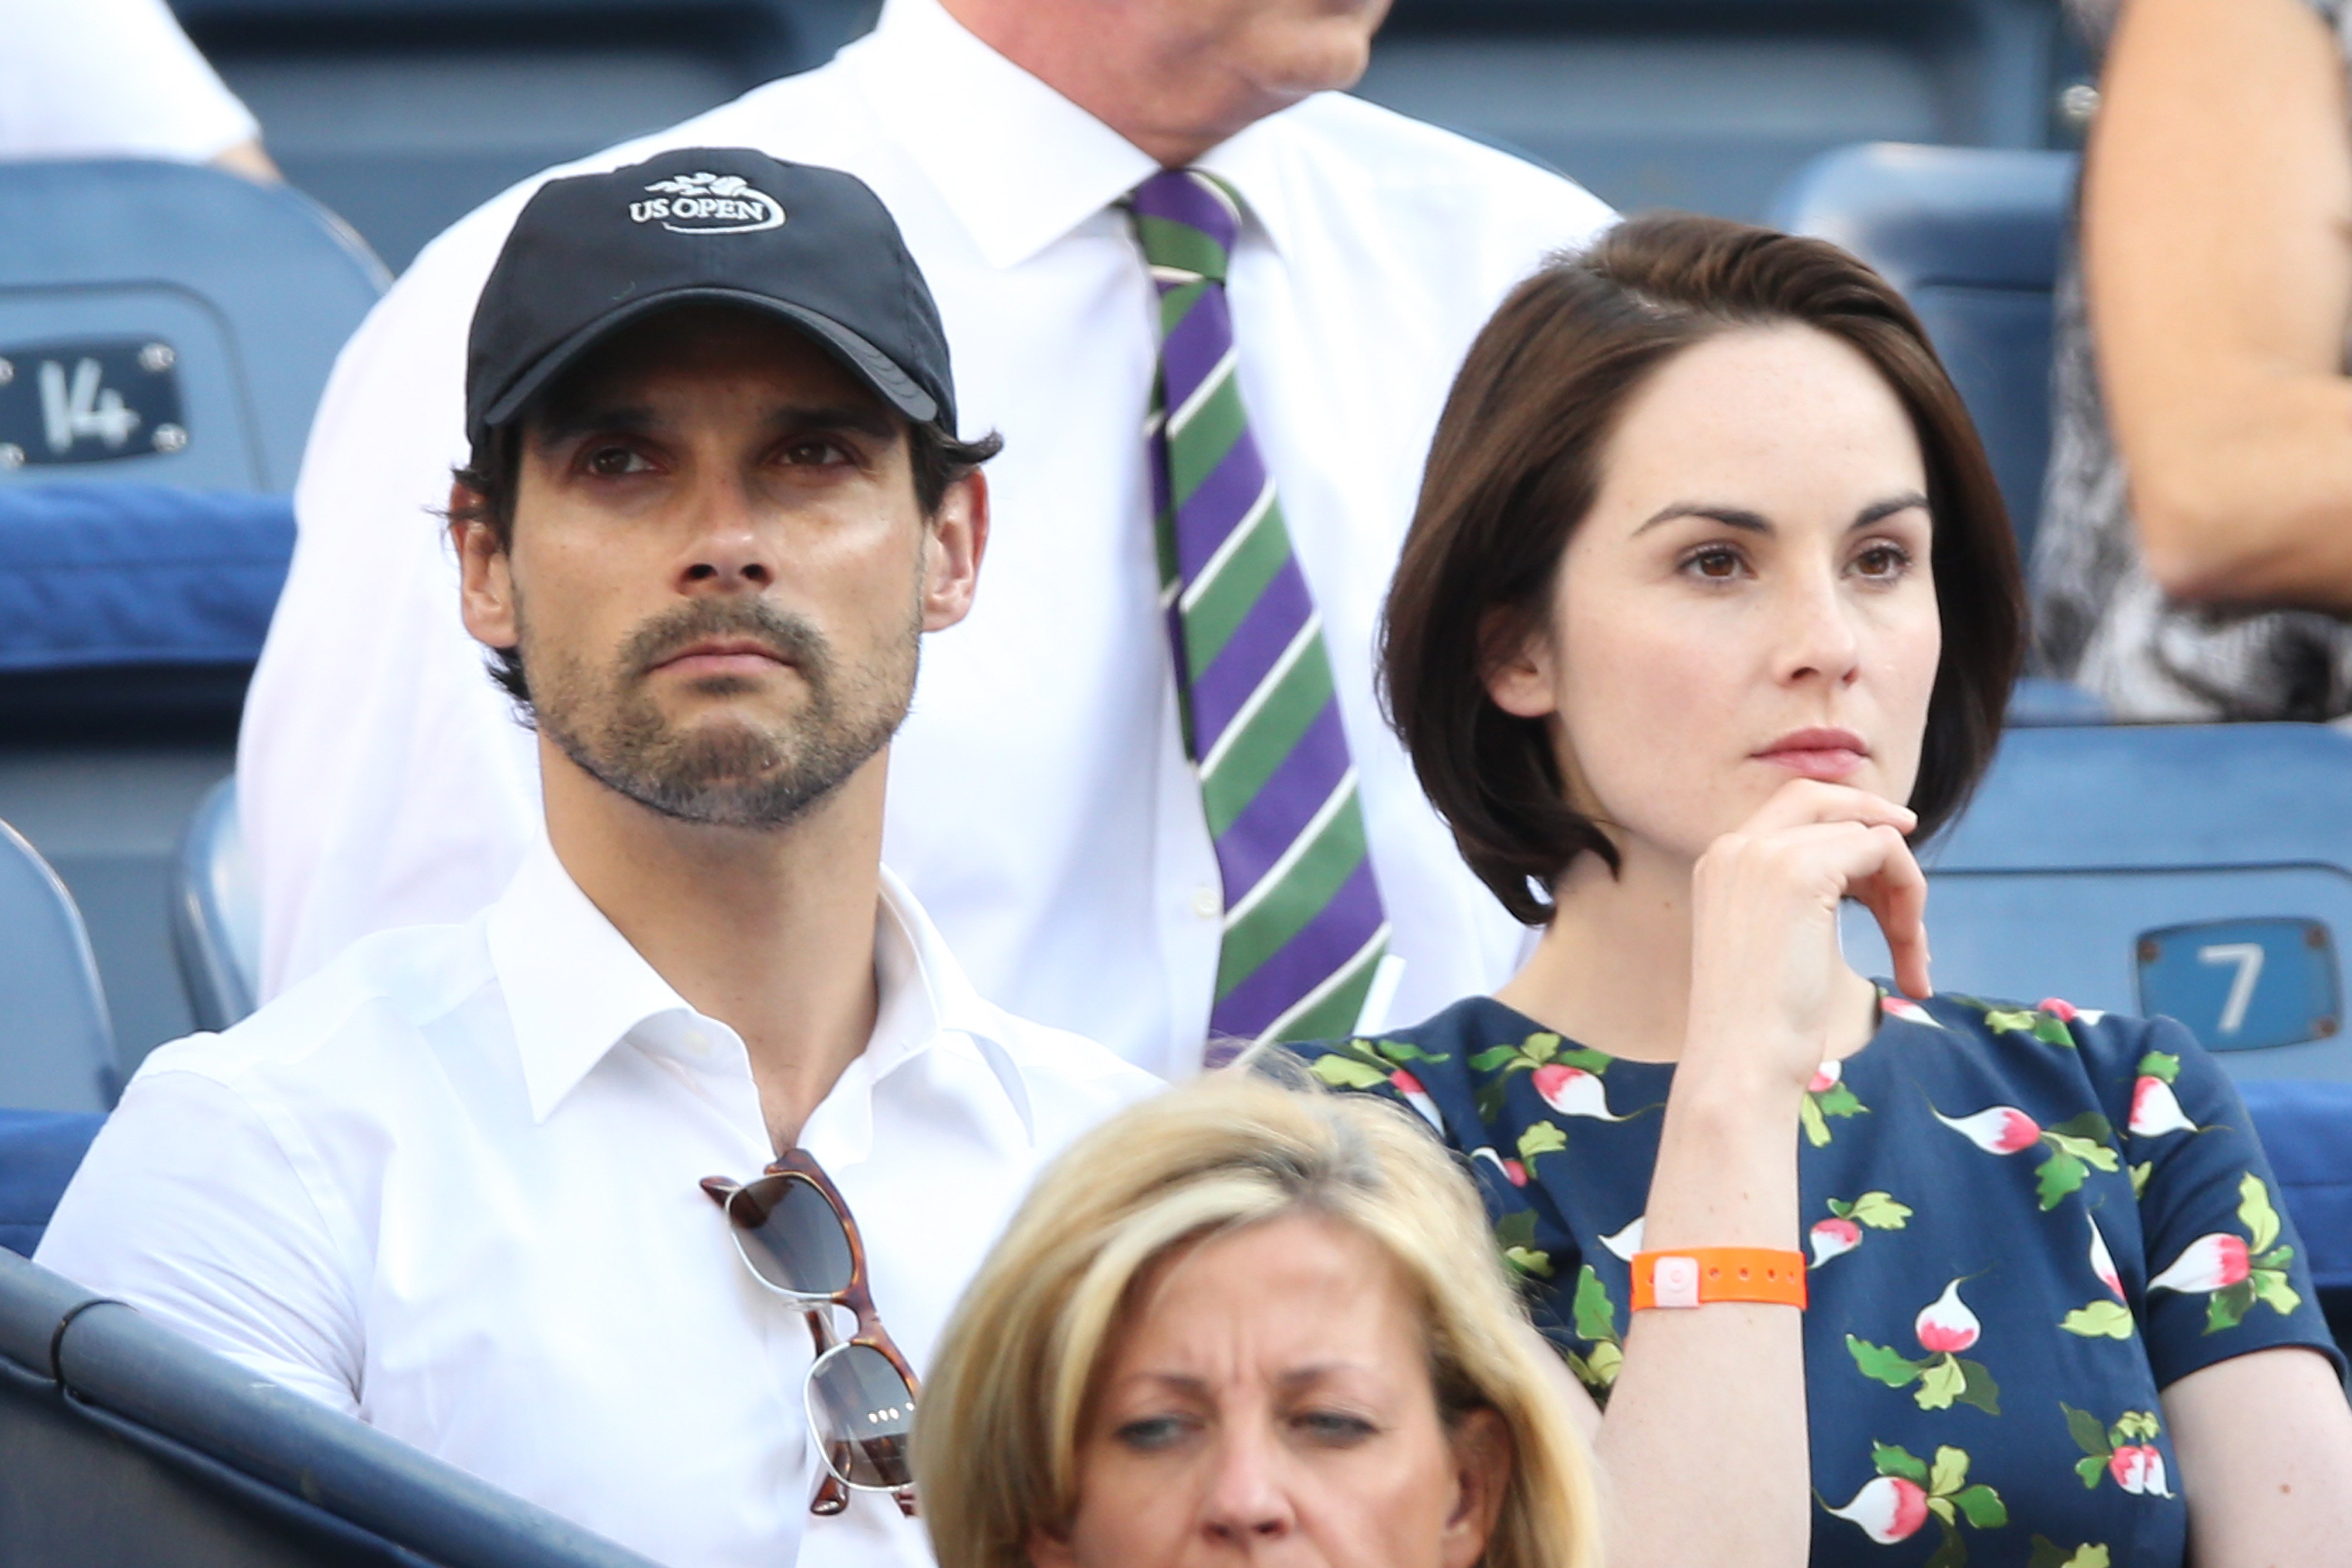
x,y
1896,893
1801,802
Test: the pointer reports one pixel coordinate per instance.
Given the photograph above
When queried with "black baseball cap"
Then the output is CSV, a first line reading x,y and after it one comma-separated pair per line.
x,y
814,247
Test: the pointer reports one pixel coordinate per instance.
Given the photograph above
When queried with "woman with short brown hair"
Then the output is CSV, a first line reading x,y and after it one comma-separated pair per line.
x,y
1709,613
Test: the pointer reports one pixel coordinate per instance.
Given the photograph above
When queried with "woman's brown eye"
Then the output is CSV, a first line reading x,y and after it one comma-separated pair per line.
x,y
1716,562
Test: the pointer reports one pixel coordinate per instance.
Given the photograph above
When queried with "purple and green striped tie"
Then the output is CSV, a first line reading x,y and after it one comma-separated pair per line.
x,y
1304,929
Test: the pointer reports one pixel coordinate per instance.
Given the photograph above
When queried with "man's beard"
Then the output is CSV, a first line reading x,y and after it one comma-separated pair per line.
x,y
729,773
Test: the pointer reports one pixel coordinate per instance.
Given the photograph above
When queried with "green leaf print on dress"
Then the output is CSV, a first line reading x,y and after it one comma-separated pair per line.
x,y
2077,1146
1908,1490
2102,1318
1944,1328
2126,1452
2048,1554
1841,1232
1568,1078
1825,1097
2236,1272
1596,1323
1380,1064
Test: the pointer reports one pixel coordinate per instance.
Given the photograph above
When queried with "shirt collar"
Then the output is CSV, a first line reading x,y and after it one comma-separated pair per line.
x,y
1018,163
575,987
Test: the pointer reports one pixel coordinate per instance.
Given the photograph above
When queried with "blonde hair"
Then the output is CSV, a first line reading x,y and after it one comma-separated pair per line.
x,y
997,1431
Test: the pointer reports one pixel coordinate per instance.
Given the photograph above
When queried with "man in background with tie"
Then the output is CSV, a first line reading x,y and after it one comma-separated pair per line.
x,y
1213,306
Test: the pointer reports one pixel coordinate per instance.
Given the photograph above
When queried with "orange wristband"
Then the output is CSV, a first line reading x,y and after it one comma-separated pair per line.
x,y
1697,1275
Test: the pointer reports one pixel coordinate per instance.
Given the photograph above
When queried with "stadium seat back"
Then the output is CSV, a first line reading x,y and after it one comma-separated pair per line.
x,y
1972,236
128,1444
216,913
167,323
2202,872
57,1045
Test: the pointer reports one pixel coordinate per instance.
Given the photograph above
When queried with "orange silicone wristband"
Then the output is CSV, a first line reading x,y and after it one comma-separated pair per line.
x,y
1694,1275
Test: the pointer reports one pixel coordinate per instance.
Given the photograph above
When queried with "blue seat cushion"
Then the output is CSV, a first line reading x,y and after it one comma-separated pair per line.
x,y
40,1151
99,575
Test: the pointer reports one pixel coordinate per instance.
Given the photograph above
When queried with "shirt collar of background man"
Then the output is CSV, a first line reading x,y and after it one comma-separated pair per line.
x,y
1020,165
575,988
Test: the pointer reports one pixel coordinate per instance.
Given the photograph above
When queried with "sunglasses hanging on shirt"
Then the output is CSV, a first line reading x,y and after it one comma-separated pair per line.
x,y
795,1234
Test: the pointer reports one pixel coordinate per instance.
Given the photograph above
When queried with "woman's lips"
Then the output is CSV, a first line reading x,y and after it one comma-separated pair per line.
x,y
1831,755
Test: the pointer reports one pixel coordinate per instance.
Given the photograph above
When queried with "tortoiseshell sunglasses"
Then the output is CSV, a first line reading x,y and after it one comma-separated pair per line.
x,y
797,1237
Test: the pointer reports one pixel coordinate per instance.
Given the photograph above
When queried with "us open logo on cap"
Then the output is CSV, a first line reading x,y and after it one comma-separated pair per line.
x,y
707,204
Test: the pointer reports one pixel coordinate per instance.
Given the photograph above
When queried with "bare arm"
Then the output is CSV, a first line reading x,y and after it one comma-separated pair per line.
x,y
2264,1443
2216,237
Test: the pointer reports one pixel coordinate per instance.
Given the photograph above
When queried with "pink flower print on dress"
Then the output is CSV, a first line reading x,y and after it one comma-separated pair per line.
x,y
1405,1084
1889,1509
1903,1007
2155,1109
2102,1318
1826,1077
2138,1468
1572,1091
1834,1238
1947,1325
1999,1130
2213,1262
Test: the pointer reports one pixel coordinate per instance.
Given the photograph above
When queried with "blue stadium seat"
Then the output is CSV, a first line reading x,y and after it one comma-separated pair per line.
x,y
40,1151
56,1046
128,1446
167,323
216,914
1972,236
2203,872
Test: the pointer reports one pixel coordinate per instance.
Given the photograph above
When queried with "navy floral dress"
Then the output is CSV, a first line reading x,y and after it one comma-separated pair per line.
x,y
2023,1223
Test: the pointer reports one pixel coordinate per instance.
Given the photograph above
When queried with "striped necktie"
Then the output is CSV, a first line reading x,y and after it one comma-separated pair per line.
x,y
1304,929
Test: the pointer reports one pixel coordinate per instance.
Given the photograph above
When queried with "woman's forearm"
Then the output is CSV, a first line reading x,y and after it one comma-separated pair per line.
x,y
1716,1392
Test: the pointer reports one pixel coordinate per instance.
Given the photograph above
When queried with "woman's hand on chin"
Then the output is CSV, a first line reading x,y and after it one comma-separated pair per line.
x,y
1767,976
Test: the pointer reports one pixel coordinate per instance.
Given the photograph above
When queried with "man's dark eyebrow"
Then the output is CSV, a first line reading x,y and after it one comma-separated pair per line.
x,y
560,424
1756,522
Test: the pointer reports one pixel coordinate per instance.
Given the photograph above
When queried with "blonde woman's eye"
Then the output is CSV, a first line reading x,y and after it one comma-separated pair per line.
x,y
1335,1428
1150,1434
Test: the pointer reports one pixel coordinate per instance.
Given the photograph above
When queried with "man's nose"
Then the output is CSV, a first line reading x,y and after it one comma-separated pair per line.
x,y
1248,1507
728,550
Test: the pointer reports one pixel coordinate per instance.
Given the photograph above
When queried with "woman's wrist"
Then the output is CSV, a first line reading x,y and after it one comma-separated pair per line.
x,y
1727,1170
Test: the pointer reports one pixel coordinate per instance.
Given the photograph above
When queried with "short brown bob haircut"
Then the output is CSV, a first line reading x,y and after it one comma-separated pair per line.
x,y
1516,465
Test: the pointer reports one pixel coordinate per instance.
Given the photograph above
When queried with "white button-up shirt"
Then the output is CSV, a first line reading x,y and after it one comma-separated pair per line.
x,y
449,1185
1041,801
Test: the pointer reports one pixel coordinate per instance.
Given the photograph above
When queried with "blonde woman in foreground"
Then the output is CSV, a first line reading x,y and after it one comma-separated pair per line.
x,y
1242,1323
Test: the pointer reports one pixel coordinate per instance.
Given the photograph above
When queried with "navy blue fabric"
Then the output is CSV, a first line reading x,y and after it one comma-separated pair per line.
x,y
2023,1224
2307,1126
97,575
40,1151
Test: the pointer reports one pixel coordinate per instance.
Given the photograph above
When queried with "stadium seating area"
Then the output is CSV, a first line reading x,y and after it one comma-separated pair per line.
x,y
163,337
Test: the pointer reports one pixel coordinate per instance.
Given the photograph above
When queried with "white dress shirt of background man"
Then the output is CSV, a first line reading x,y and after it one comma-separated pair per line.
x,y
1042,803
450,1183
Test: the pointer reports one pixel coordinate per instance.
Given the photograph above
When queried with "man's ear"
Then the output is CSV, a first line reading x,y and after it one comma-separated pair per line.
x,y
486,595
957,538
1483,1463
1519,663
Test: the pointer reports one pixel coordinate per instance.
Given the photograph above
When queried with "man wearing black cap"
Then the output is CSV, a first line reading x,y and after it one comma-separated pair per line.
x,y
460,1182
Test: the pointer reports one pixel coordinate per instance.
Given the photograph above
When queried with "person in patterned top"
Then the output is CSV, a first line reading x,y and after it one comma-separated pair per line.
x,y
1707,616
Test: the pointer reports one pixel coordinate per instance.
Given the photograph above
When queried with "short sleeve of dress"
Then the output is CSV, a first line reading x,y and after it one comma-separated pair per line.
x,y
2226,1273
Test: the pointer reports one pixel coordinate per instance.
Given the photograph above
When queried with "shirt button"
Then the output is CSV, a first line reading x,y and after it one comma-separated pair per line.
x,y
1207,903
